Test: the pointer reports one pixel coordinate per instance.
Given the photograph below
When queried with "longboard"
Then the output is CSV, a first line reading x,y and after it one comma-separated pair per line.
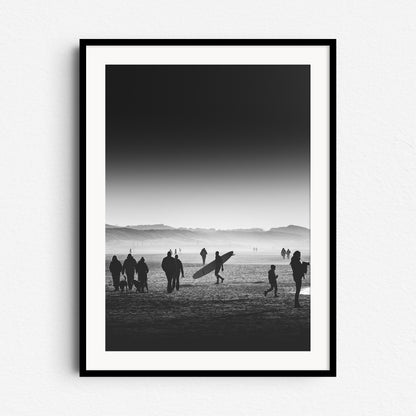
x,y
211,266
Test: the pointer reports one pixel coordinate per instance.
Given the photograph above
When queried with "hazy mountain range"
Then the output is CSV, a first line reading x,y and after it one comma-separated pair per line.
x,y
161,236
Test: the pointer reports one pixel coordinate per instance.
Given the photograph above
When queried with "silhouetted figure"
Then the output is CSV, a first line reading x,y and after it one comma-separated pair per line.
x,y
129,266
142,270
203,254
299,269
115,269
288,253
178,271
272,280
283,253
176,252
169,267
218,266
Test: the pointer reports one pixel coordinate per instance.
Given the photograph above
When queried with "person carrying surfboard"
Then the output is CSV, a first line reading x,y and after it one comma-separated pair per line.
x,y
219,265
203,254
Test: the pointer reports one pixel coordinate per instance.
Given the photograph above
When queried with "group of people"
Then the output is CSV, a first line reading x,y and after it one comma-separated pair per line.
x,y
299,269
285,253
173,269
128,269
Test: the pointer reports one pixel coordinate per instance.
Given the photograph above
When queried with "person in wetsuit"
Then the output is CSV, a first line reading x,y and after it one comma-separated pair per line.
x,y
299,269
178,271
283,253
288,254
169,267
218,266
115,270
129,267
272,280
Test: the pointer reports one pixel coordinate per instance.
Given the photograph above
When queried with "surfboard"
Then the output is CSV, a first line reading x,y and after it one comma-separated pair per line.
x,y
211,266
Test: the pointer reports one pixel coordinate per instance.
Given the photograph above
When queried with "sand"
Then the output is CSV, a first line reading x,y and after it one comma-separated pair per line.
x,y
234,315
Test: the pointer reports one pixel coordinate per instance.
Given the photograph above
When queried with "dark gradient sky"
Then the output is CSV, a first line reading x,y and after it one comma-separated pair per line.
x,y
208,146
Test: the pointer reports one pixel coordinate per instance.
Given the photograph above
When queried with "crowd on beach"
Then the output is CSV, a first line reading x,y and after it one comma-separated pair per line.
x,y
173,268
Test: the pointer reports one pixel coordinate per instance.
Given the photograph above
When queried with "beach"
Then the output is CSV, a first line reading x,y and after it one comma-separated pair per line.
x,y
234,315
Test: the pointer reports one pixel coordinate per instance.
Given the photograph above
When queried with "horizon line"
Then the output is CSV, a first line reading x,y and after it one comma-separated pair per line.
x,y
204,228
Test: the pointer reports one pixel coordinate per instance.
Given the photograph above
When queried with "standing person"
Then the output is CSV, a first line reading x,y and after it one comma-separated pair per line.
x,y
272,280
283,253
129,267
115,269
178,271
203,254
176,252
288,254
169,267
142,270
299,269
218,266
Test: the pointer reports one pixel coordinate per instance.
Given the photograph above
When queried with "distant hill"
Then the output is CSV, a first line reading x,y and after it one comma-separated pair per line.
x,y
151,227
164,236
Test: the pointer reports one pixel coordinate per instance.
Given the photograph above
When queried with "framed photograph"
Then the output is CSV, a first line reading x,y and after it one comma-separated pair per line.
x,y
208,208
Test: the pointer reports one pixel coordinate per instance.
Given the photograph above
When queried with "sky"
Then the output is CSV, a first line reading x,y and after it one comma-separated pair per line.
x,y
211,146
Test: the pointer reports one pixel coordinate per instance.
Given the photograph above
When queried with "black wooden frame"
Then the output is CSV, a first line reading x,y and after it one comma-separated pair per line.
x,y
331,43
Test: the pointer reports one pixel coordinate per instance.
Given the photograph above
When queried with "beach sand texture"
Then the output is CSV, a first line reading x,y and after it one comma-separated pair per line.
x,y
234,315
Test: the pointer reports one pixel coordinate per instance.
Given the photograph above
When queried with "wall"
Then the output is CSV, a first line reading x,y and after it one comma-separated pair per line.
x,y
376,202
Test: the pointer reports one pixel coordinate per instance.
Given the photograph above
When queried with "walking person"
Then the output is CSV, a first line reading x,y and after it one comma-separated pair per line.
x,y
115,270
169,267
218,266
178,271
288,254
142,270
203,254
129,267
299,269
272,280
283,253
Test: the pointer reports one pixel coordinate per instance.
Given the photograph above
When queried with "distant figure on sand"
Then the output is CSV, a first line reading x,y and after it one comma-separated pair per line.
x,y
272,280
142,270
178,271
203,254
299,269
283,253
218,266
288,254
176,252
115,269
129,266
169,267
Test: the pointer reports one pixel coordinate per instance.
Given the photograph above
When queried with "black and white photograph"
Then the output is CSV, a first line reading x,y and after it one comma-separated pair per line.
x,y
207,207
207,216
